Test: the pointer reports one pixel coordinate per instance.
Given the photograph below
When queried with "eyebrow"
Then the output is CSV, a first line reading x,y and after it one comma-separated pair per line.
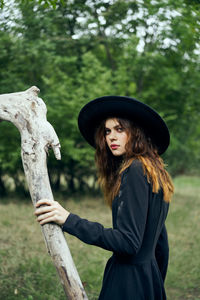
x,y
115,127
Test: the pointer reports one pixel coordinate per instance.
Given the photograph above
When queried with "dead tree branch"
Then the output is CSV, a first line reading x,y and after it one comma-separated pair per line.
x,y
28,113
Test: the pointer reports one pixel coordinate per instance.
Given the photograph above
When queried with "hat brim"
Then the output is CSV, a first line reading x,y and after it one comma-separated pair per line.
x,y
102,108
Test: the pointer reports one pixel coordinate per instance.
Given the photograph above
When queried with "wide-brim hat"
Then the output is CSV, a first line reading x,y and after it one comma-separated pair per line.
x,y
141,114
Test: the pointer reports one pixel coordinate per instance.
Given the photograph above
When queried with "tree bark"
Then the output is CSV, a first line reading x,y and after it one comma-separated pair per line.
x,y
28,113
2,186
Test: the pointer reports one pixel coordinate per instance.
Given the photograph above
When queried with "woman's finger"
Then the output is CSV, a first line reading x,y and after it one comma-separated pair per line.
x,y
47,220
43,202
45,216
43,210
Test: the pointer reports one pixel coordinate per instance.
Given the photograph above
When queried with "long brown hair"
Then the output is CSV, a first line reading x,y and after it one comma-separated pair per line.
x,y
140,147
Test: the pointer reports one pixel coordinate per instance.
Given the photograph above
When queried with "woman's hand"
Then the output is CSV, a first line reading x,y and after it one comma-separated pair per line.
x,y
51,212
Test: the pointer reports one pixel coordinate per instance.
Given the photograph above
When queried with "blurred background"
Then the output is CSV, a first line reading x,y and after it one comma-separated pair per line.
x,y
75,51
80,50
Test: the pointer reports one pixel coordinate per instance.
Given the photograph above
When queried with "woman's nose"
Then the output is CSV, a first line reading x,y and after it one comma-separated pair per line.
x,y
112,136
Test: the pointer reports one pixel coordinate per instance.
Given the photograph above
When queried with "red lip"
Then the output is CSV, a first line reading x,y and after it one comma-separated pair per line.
x,y
113,146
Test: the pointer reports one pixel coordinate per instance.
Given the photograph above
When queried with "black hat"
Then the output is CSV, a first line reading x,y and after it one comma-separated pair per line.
x,y
141,114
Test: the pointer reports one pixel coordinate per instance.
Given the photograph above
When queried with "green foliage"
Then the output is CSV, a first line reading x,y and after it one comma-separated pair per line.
x,y
45,3
75,51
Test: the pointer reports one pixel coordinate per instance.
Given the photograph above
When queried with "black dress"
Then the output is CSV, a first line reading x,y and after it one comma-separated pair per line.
x,y
138,240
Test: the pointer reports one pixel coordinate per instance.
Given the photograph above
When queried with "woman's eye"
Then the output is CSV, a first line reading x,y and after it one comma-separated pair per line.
x,y
120,129
107,131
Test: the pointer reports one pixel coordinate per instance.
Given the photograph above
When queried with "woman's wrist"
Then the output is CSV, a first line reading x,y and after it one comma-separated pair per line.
x,y
65,217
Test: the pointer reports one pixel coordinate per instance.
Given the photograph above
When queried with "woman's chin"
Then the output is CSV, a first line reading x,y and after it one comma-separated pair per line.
x,y
117,153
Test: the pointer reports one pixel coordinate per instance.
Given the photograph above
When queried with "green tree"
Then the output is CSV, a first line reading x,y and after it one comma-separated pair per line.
x,y
75,51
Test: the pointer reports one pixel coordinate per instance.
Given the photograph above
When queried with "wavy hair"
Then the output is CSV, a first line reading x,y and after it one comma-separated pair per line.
x,y
140,147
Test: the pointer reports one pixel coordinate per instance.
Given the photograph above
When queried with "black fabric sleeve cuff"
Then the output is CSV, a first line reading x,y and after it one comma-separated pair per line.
x,y
69,223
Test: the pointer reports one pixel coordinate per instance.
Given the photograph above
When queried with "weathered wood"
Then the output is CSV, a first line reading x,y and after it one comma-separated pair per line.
x,y
28,113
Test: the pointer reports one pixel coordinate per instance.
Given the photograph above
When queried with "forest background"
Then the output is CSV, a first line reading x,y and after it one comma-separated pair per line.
x,y
77,50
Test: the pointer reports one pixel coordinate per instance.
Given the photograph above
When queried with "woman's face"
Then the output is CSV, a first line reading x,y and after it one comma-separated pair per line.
x,y
116,137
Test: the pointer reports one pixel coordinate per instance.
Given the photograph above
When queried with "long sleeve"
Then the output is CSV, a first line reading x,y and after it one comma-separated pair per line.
x,y
162,252
131,217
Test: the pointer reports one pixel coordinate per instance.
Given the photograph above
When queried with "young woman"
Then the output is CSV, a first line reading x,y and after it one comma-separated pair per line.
x,y
129,138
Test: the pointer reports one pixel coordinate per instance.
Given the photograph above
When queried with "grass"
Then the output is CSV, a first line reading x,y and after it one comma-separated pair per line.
x,y
27,272
183,228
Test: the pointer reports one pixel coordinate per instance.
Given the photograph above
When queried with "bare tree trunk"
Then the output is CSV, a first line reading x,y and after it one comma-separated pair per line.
x,y
2,186
28,113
